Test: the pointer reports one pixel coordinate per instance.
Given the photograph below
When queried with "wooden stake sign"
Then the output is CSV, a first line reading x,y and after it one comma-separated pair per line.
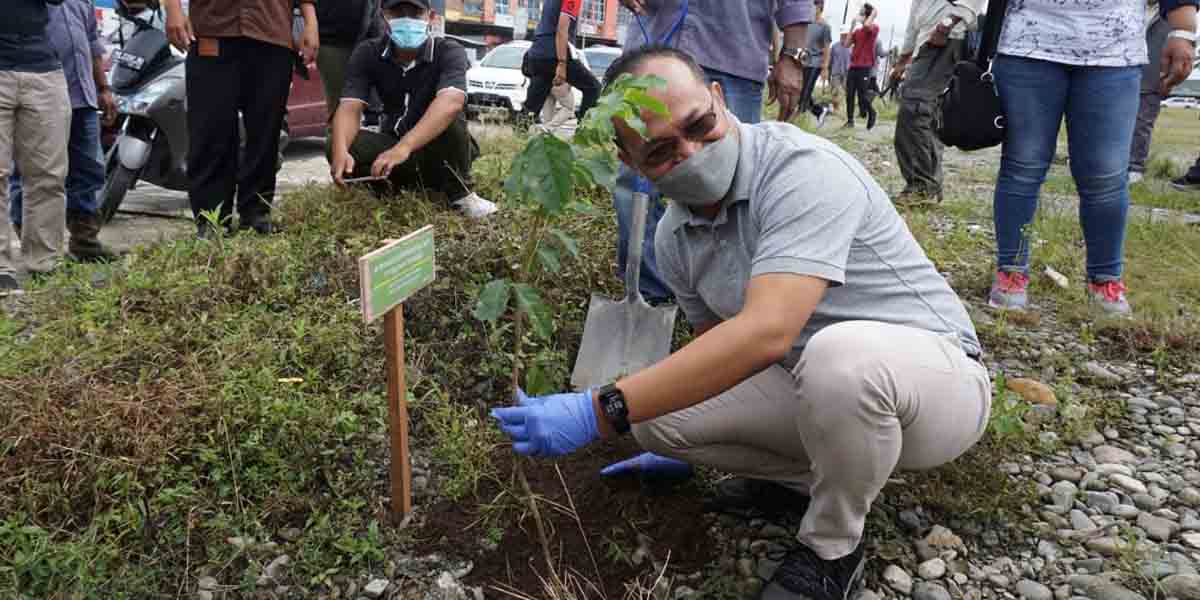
x,y
387,277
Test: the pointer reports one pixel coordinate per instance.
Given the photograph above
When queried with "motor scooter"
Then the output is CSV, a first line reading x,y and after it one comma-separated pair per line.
x,y
148,80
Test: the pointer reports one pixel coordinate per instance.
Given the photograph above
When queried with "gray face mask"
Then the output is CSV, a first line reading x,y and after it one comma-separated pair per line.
x,y
705,177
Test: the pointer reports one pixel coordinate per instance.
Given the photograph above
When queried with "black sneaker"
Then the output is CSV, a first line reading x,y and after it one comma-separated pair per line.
x,y
9,286
745,494
805,576
261,226
871,121
1187,183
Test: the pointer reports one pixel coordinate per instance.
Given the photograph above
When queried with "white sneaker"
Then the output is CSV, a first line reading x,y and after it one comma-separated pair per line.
x,y
821,117
1134,177
475,207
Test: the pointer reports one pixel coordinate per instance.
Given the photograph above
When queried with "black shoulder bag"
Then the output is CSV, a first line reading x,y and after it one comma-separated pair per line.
x,y
969,115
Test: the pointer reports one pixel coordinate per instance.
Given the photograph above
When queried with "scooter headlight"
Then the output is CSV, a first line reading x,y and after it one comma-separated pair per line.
x,y
140,102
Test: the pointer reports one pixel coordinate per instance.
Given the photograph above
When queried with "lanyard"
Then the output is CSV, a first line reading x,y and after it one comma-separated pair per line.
x,y
667,39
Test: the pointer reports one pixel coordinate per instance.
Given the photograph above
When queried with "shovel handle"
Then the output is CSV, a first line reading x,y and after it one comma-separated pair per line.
x,y
637,235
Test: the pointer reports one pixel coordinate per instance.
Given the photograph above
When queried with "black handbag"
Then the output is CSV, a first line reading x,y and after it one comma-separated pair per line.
x,y
968,114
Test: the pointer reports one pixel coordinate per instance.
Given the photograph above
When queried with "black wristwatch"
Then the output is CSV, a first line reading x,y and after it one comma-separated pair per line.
x,y
612,403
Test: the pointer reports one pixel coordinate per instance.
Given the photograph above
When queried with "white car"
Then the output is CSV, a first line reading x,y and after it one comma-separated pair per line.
x,y
1181,102
497,83
599,58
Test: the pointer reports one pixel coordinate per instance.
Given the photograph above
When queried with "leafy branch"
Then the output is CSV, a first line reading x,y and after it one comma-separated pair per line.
x,y
543,180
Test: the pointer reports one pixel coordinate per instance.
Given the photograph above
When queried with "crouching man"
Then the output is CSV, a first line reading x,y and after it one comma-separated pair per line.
x,y
829,352
423,143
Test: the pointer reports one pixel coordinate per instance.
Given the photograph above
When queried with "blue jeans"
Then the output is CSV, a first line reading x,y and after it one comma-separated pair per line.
x,y
744,99
1100,105
85,167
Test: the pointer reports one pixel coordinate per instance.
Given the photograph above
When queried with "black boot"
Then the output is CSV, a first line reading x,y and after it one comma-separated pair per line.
x,y
803,575
84,245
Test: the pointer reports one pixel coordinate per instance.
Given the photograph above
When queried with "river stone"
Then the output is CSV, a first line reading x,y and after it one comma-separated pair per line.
x,y
1113,454
1190,496
1126,511
1157,528
1102,501
1032,590
1096,587
1191,539
375,588
930,591
1107,469
940,537
1183,586
1081,522
898,579
1062,494
1128,483
1100,373
1065,473
932,569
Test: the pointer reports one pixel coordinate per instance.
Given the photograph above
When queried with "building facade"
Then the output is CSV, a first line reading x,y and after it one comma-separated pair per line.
x,y
493,22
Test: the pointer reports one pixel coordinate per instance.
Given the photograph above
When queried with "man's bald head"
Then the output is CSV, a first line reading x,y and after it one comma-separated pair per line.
x,y
635,61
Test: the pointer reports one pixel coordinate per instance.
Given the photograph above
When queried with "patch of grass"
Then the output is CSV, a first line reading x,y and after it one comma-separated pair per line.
x,y
460,443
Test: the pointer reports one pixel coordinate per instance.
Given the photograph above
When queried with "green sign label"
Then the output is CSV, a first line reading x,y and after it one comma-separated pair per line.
x,y
389,275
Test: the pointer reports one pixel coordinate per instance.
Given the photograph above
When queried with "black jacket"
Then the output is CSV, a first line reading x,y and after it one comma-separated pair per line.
x,y
341,23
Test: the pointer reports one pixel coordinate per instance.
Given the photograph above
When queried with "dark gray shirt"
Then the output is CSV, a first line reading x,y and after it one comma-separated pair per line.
x,y
800,204
24,45
839,59
818,39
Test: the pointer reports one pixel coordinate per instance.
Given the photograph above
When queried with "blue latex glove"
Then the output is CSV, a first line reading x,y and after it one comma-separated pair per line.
x,y
650,465
551,425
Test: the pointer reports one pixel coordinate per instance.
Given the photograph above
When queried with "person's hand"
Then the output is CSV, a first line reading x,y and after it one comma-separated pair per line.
x,y
784,86
549,425
342,166
310,43
897,72
389,160
1177,59
637,7
179,31
108,107
560,73
940,36
825,75
651,466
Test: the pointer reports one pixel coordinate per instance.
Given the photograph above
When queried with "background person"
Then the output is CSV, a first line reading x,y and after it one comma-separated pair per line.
x,y
1151,96
741,69
862,61
73,34
550,62
342,24
559,110
816,61
839,65
423,142
34,122
1089,75
935,36
1190,181
240,60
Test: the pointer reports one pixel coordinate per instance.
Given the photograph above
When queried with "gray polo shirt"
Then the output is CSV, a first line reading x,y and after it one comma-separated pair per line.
x,y
799,204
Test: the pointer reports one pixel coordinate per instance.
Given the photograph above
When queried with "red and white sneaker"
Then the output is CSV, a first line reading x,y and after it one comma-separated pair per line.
x,y
1110,296
1009,291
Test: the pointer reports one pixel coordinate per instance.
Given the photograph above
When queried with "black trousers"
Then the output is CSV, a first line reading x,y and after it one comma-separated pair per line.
x,y
858,83
540,72
444,165
811,74
246,76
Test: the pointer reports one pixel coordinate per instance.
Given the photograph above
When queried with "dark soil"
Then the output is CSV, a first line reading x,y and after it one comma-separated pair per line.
x,y
612,513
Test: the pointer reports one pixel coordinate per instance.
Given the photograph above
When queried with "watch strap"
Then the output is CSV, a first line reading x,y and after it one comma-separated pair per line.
x,y
612,404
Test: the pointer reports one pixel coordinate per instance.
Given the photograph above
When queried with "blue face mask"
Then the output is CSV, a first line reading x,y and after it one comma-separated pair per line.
x,y
408,33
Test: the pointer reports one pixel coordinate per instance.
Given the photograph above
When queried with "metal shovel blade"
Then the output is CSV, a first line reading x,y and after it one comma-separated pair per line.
x,y
622,337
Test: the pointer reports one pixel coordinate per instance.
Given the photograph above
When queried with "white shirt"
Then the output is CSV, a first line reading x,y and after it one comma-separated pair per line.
x,y
924,16
1092,33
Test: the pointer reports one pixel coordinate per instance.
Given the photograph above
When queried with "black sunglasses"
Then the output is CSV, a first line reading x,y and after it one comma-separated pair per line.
x,y
665,151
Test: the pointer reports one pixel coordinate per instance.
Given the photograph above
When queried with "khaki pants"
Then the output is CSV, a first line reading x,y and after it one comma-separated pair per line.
x,y
35,124
864,399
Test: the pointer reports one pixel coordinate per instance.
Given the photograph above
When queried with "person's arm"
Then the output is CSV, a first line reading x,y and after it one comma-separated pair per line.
x,y
826,52
777,308
310,39
786,82
562,51
437,118
104,96
346,122
1178,54
179,26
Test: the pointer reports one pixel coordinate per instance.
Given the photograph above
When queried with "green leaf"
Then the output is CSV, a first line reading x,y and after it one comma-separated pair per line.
x,y
529,301
542,171
644,101
567,242
493,300
600,165
549,258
